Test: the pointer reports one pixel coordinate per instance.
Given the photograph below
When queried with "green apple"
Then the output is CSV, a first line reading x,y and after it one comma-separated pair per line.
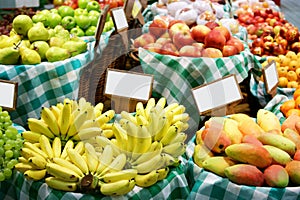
x,y
91,31
94,13
58,28
65,11
45,12
53,20
68,22
21,24
93,5
39,18
77,31
54,10
83,3
94,20
80,11
83,21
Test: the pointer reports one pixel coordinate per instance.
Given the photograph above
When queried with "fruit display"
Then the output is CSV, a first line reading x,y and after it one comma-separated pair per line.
x,y
176,38
259,152
291,106
10,144
76,147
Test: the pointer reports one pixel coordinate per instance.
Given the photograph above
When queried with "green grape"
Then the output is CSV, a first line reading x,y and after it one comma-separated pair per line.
x,y
7,172
16,153
9,154
8,133
2,119
1,134
7,147
1,142
10,164
5,113
1,160
2,151
7,119
14,161
2,176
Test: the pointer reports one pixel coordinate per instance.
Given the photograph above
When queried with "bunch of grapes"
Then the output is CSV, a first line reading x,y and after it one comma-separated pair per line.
x,y
10,145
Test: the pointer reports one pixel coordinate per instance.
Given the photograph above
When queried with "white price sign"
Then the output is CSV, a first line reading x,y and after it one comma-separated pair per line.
x,y
217,94
8,94
271,79
129,85
119,18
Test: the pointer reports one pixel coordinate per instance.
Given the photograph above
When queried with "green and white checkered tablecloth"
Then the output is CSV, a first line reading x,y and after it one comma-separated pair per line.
x,y
174,186
174,77
47,83
207,185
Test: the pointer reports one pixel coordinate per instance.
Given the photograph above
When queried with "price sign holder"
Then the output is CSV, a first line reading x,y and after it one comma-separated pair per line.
x,y
119,19
271,79
133,8
218,97
8,94
127,88
100,25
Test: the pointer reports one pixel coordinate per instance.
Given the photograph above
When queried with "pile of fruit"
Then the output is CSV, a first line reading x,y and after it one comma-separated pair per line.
x,y
75,147
292,106
31,43
176,38
261,153
10,144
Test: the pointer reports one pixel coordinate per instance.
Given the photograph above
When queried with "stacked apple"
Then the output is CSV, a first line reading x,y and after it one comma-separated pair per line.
x,y
176,38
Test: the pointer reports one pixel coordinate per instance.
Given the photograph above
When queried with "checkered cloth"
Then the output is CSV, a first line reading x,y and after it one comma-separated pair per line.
x,y
174,186
47,83
174,77
207,185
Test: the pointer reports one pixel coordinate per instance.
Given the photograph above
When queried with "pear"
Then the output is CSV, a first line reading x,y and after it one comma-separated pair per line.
x,y
29,56
21,24
65,34
38,32
56,41
41,47
25,43
56,54
9,41
51,32
75,47
58,28
9,55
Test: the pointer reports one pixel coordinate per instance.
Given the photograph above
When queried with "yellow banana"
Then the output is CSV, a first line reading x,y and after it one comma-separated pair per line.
x,y
77,123
49,118
23,167
62,185
125,190
146,180
178,110
87,133
107,133
126,174
175,149
128,116
92,160
147,156
114,188
74,106
89,123
169,160
56,111
69,165
46,146
153,122
141,120
78,160
161,103
139,108
60,106
120,135
103,141
105,159
35,149
79,147
31,136
170,135
131,130
35,174
99,107
170,107
162,173
180,137
27,153
69,144
39,126
143,140
152,164
107,126
164,124
184,117
105,117
21,159
39,162
61,172
116,165
150,104
56,147
65,117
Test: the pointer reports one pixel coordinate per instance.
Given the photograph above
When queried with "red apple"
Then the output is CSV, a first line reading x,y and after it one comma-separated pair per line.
x,y
297,155
212,53
199,45
211,24
199,32
169,49
163,40
158,27
224,31
144,39
295,47
258,42
236,42
251,29
229,50
182,38
178,27
189,51
257,51
278,49
154,47
292,35
215,39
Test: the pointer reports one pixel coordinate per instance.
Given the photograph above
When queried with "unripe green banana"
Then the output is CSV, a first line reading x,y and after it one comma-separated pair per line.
x,y
146,180
62,185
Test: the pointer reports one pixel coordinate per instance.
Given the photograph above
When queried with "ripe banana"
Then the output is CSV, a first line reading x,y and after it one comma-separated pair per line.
x,y
170,107
170,135
120,135
23,167
105,159
163,126
56,147
65,117
105,117
106,126
49,118
69,165
46,146
35,174
107,133
79,147
35,149
39,126
89,123
87,133
178,110
143,140
161,103
132,132
69,144
92,159
61,172
116,165
141,120
62,185
27,153
76,124
39,162
99,107
169,160
152,164
78,160
180,137
116,188
103,141
56,111
184,117
146,180
150,104
162,173
139,108
128,116
126,174
175,149
31,136
21,159
147,156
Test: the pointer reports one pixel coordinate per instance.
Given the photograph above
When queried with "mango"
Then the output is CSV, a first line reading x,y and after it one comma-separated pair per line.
x,y
218,164
249,127
232,130
250,154
201,152
297,155
279,156
245,174
252,140
239,117
268,121
292,135
290,122
293,169
276,176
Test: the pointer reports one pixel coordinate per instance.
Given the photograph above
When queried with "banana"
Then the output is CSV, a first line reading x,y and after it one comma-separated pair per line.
x,y
125,190
78,160
62,185
143,140
180,137
114,188
162,173
69,165
141,120
61,172
89,123
132,132
35,149
153,122
139,109
23,167
155,146
150,104
126,174
74,106
56,111
99,107
103,141
107,133
105,117
31,136
128,116
170,135
175,149
178,110
152,164
164,124
27,153
184,117
21,159
46,146
169,160
49,118
56,147
39,126
107,126
146,180
279,156
35,174
65,117
116,165
92,160
170,107
105,159
60,106
147,156
77,123
87,133
79,147
120,135
161,103
69,144
39,162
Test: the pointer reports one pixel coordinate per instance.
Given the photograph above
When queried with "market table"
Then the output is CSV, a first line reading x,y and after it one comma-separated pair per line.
x,y
47,83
